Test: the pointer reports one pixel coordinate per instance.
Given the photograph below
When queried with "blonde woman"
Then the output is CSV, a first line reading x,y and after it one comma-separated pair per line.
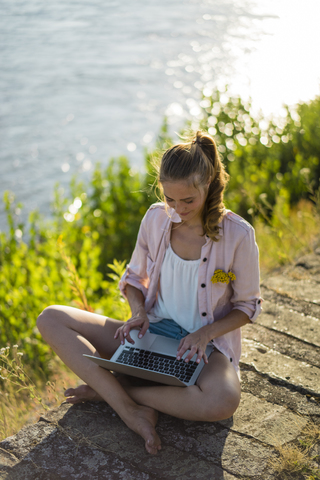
x,y
194,275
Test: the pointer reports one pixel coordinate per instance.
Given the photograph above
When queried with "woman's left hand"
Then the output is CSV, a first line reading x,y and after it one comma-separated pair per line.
x,y
195,342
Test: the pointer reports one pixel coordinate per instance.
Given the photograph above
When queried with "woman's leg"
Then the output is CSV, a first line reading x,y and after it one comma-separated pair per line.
x,y
215,396
71,333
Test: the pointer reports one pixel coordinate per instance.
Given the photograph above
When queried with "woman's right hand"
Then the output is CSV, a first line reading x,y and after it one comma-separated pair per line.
x,y
138,320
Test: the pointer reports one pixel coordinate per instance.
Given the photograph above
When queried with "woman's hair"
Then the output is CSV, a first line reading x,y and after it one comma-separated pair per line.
x,y
198,160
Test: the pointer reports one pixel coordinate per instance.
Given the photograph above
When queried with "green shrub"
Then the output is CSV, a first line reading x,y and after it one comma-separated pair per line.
x,y
272,166
278,158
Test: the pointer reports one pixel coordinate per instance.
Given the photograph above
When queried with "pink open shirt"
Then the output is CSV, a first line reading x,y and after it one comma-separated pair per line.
x,y
236,251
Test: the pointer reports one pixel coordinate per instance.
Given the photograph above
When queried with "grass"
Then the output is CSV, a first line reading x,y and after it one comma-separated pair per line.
x,y
24,398
284,237
299,460
24,395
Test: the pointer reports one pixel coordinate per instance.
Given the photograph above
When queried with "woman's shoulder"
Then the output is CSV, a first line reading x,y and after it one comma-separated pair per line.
x,y
158,206
156,213
156,210
161,210
232,221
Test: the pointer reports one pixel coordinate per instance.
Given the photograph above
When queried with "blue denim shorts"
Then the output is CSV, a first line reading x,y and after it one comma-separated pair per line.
x,y
168,328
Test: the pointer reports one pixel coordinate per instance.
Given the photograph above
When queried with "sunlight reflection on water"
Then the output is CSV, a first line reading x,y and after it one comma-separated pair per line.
x,y
82,83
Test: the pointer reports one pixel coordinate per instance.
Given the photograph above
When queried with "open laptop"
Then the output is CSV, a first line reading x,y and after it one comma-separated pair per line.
x,y
153,357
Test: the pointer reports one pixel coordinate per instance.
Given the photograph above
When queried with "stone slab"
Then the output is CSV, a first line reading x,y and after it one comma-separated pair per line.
x,y
297,305
271,424
281,319
57,460
310,263
89,441
7,459
268,389
235,453
304,289
26,439
283,343
273,363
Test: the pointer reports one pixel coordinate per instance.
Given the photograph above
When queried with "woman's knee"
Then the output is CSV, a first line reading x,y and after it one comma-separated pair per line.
x,y
230,405
48,317
223,406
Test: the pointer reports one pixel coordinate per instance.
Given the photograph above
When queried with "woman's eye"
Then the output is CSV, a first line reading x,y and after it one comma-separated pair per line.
x,y
170,201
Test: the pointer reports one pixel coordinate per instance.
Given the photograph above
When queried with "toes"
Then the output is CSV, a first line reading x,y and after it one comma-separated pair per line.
x,y
69,392
152,450
81,394
72,400
152,447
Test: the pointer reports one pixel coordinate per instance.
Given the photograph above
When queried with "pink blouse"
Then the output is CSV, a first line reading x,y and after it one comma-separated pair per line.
x,y
236,252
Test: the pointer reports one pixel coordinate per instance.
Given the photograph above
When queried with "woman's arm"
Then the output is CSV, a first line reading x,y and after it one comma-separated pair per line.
x,y
139,317
135,298
233,320
136,271
197,342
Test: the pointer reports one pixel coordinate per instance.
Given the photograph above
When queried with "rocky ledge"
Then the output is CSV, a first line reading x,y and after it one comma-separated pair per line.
x,y
280,369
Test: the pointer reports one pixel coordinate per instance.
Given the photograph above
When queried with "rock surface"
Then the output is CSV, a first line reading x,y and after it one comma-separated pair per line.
x,y
280,369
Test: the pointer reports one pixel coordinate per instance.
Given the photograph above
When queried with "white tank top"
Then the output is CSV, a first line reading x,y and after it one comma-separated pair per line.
x,y
178,294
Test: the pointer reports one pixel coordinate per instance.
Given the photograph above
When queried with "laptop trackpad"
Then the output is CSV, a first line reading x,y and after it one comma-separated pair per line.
x,y
165,345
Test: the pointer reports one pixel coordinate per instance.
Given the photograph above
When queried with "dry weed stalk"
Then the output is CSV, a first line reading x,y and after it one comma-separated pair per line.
x,y
13,371
278,233
295,462
18,392
291,460
75,281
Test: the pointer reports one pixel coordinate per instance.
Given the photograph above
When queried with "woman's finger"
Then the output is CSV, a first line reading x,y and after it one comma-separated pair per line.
x,y
129,324
120,333
126,329
128,338
143,330
121,337
200,355
182,349
193,350
181,343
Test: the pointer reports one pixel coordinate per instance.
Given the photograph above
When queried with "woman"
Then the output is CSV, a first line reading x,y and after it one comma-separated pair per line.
x,y
193,275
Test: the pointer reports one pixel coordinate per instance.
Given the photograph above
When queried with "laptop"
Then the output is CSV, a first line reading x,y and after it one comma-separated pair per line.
x,y
153,357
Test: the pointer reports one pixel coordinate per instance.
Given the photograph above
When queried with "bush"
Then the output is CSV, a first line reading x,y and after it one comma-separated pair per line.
x,y
279,158
273,166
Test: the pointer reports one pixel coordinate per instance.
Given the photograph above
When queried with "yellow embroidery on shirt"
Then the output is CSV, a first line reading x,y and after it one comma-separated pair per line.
x,y
222,277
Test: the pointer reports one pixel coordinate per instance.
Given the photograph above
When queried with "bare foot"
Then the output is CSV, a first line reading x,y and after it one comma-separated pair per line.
x,y
83,393
143,421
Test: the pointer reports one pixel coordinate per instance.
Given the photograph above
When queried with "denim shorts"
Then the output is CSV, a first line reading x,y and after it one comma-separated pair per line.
x,y
168,328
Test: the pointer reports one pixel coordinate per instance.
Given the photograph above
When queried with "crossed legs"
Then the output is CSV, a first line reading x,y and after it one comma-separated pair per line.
x,y
71,332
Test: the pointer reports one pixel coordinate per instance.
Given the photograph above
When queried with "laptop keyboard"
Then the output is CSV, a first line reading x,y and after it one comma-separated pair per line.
x,y
157,362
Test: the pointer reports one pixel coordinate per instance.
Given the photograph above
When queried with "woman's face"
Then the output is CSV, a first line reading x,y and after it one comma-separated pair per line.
x,y
185,198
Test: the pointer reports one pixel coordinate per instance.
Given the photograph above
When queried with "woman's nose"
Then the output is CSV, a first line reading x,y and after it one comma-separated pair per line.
x,y
178,208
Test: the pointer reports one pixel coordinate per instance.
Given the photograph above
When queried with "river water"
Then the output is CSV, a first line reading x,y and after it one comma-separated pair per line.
x,y
84,81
